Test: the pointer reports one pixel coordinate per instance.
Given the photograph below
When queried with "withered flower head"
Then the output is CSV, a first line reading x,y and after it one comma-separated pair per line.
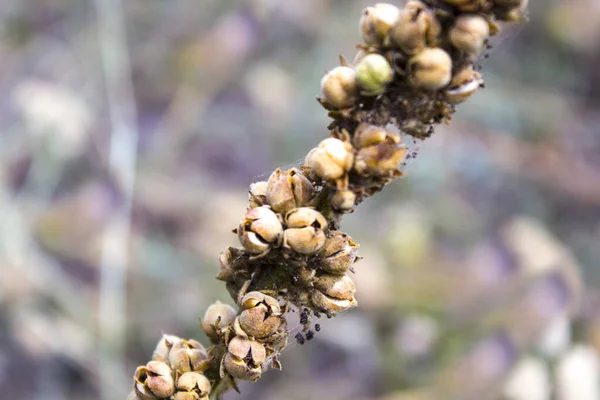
x,y
188,355
373,73
431,69
154,381
416,28
470,33
331,159
305,232
217,316
260,230
340,87
287,190
244,358
192,386
376,22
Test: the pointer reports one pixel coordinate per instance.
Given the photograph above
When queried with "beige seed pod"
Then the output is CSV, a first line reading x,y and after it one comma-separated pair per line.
x,y
261,315
305,233
330,305
431,69
154,381
339,254
331,159
258,194
244,358
416,28
463,85
377,21
188,355
379,160
343,200
163,347
217,316
192,385
260,230
470,33
340,87
287,190
367,135
336,286
373,73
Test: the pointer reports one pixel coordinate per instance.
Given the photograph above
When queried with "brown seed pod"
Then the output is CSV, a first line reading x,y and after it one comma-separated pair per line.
x,y
261,315
188,355
470,33
377,21
416,28
154,381
260,230
329,305
192,385
244,358
258,194
306,230
339,254
343,200
163,347
331,159
287,190
463,85
431,69
340,87
216,317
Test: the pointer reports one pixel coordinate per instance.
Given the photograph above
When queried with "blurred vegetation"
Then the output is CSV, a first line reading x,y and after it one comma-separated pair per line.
x,y
472,263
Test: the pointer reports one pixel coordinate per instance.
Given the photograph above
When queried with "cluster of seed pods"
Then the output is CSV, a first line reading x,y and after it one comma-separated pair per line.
x,y
414,65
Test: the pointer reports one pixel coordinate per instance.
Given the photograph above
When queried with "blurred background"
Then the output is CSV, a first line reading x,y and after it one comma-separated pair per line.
x,y
130,133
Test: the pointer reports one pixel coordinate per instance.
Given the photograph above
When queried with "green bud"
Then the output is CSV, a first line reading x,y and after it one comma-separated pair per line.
x,y
373,73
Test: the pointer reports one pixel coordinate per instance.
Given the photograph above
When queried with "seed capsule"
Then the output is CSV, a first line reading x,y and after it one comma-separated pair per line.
x,y
188,355
261,315
330,305
163,347
244,358
463,85
416,28
217,316
260,230
379,160
343,200
373,73
331,159
470,33
431,69
340,87
192,385
339,254
336,286
258,194
465,5
287,190
377,21
154,381
305,233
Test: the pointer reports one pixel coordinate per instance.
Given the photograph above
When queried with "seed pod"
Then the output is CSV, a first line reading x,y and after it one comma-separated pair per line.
x,y
154,381
431,69
373,73
514,10
261,315
376,22
367,135
330,305
379,160
331,159
305,233
217,316
163,347
192,385
260,230
463,85
416,28
339,254
465,5
226,260
244,358
336,286
343,200
258,194
339,86
287,190
188,355
470,33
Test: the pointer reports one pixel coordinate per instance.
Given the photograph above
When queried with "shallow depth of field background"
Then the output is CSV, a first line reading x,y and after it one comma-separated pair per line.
x,y
125,160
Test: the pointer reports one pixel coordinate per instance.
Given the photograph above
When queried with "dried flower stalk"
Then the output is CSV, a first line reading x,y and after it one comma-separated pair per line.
x,y
415,65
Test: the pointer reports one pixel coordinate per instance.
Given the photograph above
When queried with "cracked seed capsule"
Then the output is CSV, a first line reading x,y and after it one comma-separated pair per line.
x,y
377,21
261,315
258,194
339,254
305,233
431,69
244,358
216,317
331,159
163,347
287,190
333,294
470,33
463,85
187,356
192,386
379,160
373,73
416,28
154,381
340,87
260,230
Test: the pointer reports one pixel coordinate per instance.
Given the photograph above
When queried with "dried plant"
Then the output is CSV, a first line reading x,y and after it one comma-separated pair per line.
x,y
415,65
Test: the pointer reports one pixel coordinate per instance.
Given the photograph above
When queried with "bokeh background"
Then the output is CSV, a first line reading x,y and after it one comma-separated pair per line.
x,y
131,130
